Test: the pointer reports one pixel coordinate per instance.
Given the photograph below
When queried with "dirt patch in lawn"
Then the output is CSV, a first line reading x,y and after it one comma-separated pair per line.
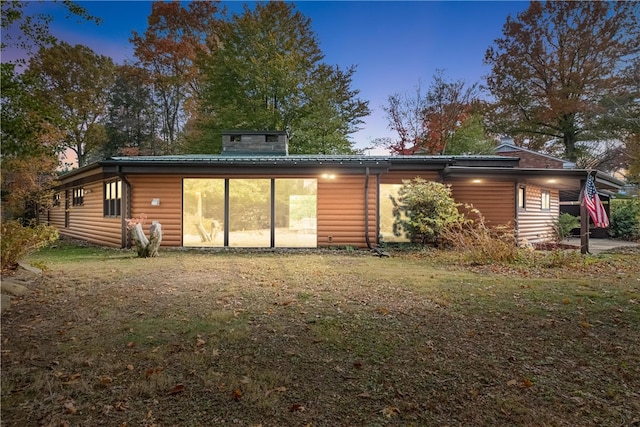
x,y
320,339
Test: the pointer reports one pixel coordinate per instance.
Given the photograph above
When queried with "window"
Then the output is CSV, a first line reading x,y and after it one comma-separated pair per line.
x,y
78,197
240,212
56,200
522,198
271,138
236,138
545,200
112,198
389,230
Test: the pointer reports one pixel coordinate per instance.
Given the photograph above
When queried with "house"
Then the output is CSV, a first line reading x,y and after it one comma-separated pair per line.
x,y
569,198
257,195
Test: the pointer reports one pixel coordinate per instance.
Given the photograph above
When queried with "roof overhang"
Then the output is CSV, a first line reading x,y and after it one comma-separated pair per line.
x,y
560,179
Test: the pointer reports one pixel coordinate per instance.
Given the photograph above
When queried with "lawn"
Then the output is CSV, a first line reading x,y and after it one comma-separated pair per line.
x,y
322,338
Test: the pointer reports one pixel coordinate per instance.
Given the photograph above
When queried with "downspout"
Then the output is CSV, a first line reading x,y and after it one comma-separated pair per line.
x,y
377,251
126,212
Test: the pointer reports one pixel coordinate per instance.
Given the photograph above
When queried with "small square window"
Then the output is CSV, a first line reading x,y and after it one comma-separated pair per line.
x,y
272,138
236,138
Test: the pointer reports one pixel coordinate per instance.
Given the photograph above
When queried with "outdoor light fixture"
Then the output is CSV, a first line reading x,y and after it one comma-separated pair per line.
x,y
155,202
476,181
328,176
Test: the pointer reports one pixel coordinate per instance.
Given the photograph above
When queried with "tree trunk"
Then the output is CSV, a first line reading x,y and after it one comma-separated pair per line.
x,y
147,247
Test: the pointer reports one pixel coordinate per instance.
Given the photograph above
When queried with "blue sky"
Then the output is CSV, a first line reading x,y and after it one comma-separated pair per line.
x,y
394,44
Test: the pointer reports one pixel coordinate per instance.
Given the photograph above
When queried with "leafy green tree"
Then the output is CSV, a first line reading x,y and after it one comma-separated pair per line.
x,y
25,31
470,138
168,50
75,82
268,75
132,119
331,113
424,209
30,145
555,65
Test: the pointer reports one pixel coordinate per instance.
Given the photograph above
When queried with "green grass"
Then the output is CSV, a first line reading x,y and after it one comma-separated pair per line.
x,y
322,338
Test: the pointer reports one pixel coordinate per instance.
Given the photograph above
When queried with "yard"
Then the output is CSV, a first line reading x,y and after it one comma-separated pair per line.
x,y
322,338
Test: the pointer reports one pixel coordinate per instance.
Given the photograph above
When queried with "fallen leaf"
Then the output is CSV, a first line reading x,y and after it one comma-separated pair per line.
x,y
200,342
512,382
357,365
69,407
390,411
130,367
585,325
105,379
296,407
131,344
121,406
281,389
237,394
527,382
178,388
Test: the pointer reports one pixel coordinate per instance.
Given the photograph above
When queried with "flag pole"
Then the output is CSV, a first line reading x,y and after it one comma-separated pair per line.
x,y
584,222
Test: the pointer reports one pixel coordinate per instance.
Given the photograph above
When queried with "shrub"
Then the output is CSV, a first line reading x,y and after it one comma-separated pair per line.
x,y
625,219
479,243
424,209
563,225
18,241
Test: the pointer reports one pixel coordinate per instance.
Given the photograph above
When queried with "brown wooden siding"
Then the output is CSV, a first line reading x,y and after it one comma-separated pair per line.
x,y
56,214
87,222
341,213
534,224
396,177
495,200
168,189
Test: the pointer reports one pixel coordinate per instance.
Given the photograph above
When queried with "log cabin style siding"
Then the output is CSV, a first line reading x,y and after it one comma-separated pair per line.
x,y
339,195
535,224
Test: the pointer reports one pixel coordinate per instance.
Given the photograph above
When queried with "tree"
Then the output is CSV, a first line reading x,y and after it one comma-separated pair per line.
x,y
331,113
132,122
30,145
169,49
426,123
75,82
424,209
406,117
268,75
448,105
554,66
470,138
25,31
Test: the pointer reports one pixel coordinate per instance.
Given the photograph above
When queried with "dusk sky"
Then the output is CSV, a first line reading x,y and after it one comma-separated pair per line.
x,y
394,44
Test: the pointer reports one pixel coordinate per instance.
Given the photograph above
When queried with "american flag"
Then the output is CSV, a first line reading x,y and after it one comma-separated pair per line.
x,y
593,204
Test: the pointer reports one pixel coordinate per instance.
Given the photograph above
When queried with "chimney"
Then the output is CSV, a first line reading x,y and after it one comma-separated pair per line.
x,y
247,143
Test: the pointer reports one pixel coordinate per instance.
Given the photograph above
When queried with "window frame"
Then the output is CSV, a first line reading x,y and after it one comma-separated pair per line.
x,y
112,203
77,197
545,200
522,197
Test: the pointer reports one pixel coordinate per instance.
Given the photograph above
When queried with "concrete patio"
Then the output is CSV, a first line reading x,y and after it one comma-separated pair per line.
x,y
597,245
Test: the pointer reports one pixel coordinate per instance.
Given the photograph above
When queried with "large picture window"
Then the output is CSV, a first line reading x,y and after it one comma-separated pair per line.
x,y
389,233
247,213
112,198
296,213
203,212
250,213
